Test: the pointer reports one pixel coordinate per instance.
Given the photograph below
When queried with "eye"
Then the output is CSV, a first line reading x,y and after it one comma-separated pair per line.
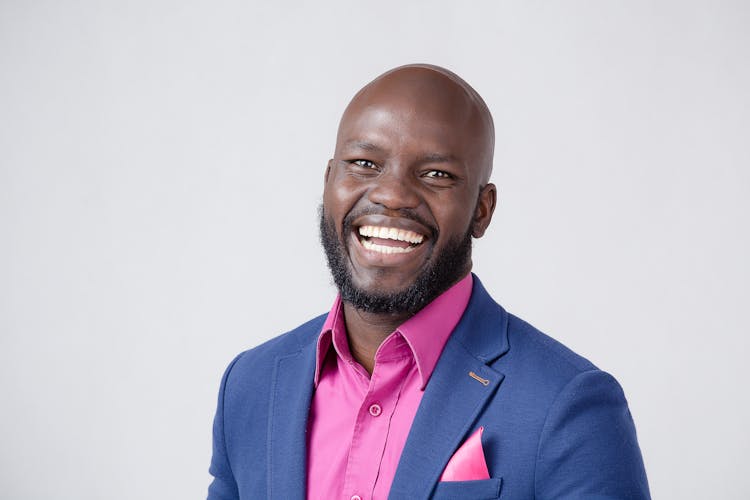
x,y
365,164
438,174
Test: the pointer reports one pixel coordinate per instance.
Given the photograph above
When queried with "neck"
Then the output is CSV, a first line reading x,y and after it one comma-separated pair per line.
x,y
366,331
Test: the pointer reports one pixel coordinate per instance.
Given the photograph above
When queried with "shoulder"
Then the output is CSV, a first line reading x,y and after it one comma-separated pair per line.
x,y
254,367
534,345
539,366
527,357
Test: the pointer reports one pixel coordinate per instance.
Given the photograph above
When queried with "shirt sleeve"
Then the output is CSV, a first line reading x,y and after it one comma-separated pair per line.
x,y
588,447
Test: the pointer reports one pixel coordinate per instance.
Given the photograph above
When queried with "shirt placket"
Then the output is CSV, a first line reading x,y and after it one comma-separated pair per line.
x,y
373,423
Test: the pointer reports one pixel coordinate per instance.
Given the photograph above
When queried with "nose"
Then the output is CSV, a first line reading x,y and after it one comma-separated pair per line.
x,y
394,190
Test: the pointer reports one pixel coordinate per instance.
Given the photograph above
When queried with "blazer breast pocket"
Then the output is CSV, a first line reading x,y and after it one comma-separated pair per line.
x,y
482,489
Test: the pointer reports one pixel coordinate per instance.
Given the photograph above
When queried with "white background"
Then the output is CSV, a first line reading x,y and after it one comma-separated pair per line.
x,y
161,165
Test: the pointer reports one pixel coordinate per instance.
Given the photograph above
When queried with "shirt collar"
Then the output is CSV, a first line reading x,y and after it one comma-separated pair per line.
x,y
425,333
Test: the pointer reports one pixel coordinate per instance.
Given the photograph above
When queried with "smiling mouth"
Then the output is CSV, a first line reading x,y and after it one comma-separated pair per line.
x,y
389,240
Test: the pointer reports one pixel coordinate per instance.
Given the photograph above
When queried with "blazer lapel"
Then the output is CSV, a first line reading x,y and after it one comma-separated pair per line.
x,y
457,391
287,423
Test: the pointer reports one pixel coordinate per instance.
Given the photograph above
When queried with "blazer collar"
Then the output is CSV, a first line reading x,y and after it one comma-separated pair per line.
x,y
483,329
291,395
460,386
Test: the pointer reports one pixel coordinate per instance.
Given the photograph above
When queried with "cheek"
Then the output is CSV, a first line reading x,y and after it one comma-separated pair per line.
x,y
455,216
339,197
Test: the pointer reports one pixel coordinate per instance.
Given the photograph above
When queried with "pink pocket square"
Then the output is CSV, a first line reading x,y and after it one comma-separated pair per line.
x,y
467,464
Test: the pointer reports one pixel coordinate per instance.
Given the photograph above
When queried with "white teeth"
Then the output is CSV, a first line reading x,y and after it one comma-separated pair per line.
x,y
385,249
391,233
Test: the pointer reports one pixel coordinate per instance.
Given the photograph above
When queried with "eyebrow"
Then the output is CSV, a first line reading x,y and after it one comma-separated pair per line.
x,y
439,158
363,145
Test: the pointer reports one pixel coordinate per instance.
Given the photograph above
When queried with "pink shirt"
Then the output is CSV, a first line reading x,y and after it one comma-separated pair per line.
x,y
358,424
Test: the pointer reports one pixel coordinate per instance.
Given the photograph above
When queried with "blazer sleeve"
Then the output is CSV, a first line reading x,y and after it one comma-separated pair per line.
x,y
223,486
588,447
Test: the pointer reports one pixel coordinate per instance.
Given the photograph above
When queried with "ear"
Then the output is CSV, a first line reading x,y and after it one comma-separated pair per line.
x,y
485,209
328,172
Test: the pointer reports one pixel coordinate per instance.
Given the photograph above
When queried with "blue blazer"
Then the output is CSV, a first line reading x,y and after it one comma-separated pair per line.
x,y
555,426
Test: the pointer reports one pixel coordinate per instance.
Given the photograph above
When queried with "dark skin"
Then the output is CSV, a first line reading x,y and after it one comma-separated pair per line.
x,y
417,140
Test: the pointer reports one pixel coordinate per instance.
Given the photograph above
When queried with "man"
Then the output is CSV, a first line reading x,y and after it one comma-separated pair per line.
x,y
375,399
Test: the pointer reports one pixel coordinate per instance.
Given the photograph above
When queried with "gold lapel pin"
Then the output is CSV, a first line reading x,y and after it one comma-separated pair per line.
x,y
479,379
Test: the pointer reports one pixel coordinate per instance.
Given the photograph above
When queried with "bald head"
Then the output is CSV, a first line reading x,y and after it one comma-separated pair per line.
x,y
426,93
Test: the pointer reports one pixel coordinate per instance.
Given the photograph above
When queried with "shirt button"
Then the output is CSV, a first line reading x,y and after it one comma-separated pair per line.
x,y
356,497
375,410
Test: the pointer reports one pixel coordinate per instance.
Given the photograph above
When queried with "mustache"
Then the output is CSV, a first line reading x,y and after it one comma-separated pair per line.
x,y
406,213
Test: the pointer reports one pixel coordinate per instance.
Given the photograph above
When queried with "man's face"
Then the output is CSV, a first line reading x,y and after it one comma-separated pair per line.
x,y
403,196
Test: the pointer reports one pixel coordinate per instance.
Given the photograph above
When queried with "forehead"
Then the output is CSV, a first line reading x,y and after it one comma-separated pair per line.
x,y
397,129
419,109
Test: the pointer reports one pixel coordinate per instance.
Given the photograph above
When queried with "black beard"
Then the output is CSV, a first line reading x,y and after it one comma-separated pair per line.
x,y
440,273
